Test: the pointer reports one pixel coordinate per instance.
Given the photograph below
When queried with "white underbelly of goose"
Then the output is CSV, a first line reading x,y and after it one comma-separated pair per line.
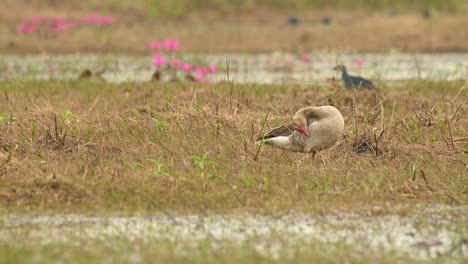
x,y
284,142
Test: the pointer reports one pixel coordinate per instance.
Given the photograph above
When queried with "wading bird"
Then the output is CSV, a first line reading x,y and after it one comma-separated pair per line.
x,y
350,82
312,129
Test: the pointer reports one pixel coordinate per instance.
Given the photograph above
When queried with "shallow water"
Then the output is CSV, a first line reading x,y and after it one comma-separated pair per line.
x,y
275,68
426,234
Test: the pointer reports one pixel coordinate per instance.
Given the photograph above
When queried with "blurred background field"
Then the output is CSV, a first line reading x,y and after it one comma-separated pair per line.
x,y
174,9
243,26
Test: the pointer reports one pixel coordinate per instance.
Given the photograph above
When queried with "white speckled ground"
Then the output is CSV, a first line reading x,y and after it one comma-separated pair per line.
x,y
426,235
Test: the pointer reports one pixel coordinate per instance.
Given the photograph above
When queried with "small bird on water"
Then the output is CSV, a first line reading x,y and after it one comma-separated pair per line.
x,y
312,129
350,82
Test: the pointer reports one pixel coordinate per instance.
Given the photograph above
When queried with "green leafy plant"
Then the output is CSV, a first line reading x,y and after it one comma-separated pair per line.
x,y
33,128
160,123
159,167
204,164
7,118
68,117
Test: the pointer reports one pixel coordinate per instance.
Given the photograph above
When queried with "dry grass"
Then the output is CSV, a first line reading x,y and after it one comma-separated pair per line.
x,y
221,31
91,146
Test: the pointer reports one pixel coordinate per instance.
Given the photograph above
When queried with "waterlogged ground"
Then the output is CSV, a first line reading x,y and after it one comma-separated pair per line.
x,y
272,68
438,233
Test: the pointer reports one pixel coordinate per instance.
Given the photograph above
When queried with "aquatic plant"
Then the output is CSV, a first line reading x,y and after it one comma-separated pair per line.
x,y
196,73
305,57
158,60
60,23
359,62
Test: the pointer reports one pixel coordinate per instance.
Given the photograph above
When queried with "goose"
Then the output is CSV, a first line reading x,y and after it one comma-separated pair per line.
x,y
353,81
312,129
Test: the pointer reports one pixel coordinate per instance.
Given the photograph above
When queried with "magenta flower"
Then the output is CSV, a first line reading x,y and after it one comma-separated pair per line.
x,y
155,45
92,18
202,70
26,28
37,20
200,78
358,62
95,18
212,68
176,63
62,27
171,44
305,57
158,60
187,67
105,20
57,21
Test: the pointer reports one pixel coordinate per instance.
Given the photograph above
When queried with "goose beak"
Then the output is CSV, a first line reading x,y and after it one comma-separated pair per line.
x,y
304,131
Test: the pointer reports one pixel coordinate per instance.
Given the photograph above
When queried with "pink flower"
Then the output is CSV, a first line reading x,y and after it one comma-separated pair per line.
x,y
92,18
358,62
37,20
212,68
26,28
155,45
176,63
171,44
62,27
202,70
186,67
105,20
158,60
95,18
305,57
200,78
57,20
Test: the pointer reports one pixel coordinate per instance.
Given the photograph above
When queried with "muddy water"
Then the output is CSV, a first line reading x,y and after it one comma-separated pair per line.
x,y
276,68
425,234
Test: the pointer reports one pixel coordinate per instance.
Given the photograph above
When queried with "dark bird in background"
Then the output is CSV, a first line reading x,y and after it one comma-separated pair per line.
x,y
190,77
85,74
156,76
350,82
88,74
428,13
293,20
326,20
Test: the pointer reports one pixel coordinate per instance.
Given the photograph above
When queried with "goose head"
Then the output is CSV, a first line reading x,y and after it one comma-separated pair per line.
x,y
299,123
301,119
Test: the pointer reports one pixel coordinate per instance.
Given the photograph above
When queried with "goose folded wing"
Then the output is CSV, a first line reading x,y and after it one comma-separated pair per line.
x,y
276,132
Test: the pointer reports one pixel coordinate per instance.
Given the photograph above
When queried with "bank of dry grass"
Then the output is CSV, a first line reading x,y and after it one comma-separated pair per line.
x,y
92,146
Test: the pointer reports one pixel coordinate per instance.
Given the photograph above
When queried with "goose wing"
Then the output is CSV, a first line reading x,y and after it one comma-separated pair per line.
x,y
277,132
